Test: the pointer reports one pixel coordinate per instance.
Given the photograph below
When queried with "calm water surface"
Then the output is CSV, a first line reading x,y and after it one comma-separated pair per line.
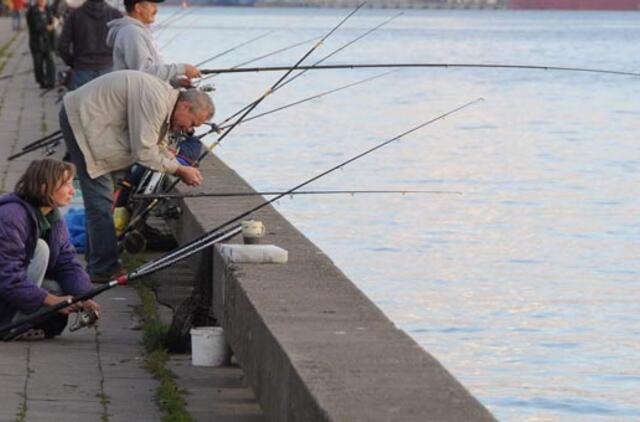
x,y
526,286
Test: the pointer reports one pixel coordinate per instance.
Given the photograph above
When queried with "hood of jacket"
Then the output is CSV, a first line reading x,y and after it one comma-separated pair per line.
x,y
117,24
12,198
94,8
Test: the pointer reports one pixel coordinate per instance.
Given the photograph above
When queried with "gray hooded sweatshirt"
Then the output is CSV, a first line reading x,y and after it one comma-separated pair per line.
x,y
134,48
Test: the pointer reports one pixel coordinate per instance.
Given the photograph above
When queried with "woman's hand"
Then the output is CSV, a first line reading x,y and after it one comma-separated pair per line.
x,y
52,300
91,305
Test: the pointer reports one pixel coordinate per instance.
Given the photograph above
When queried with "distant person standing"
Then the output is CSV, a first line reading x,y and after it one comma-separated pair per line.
x,y
134,47
16,14
41,25
82,45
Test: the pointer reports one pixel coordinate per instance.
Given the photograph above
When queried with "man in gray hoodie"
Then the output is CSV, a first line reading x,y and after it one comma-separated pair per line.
x,y
134,47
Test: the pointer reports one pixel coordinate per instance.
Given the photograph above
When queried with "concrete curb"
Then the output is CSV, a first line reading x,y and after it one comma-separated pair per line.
x,y
312,346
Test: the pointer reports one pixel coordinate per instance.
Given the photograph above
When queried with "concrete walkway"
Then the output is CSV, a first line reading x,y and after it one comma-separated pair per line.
x,y
89,375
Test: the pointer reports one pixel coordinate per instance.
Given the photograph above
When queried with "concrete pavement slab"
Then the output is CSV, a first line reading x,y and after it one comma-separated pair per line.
x,y
89,375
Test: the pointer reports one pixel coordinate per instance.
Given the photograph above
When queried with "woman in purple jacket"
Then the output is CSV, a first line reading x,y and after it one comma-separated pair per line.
x,y
38,265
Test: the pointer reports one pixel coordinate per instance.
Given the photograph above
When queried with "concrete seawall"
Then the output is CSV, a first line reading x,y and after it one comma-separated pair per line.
x,y
312,346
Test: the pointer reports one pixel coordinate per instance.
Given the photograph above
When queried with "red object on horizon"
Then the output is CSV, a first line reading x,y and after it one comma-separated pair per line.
x,y
576,4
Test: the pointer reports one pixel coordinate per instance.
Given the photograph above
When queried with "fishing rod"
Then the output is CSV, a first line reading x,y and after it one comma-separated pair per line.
x,y
198,242
306,192
43,139
44,143
229,50
306,68
418,65
48,90
264,56
48,145
48,148
14,329
313,97
11,75
245,112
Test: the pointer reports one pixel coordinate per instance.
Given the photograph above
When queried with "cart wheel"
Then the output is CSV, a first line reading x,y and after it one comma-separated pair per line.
x,y
134,242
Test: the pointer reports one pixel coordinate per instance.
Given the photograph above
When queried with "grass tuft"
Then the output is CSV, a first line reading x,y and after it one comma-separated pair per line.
x,y
169,396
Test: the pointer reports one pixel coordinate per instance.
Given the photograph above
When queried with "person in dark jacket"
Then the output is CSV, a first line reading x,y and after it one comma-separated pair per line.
x,y
41,25
82,44
38,265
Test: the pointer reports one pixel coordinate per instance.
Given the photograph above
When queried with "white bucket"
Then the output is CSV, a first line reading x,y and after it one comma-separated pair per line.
x,y
208,347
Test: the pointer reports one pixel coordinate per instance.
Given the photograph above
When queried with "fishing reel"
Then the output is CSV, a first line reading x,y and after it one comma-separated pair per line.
x,y
214,127
207,88
50,149
171,210
84,319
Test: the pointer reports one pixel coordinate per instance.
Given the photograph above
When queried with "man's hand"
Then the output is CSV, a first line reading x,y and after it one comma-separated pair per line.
x,y
183,83
190,71
190,176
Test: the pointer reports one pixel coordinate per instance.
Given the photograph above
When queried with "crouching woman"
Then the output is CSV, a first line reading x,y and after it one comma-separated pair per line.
x,y
38,265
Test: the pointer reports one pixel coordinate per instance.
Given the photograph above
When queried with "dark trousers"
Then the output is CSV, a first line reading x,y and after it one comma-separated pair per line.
x,y
80,77
101,247
43,68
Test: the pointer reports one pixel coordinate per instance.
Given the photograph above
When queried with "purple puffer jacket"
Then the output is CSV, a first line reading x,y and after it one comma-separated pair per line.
x,y
18,238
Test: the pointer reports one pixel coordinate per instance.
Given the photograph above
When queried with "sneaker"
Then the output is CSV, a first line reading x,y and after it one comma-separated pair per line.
x,y
32,334
105,278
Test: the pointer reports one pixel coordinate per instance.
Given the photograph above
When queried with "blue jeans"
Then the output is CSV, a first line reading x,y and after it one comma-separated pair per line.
x,y
80,77
101,246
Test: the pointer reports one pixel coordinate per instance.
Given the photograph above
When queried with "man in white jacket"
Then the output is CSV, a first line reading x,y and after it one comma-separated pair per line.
x,y
112,122
134,46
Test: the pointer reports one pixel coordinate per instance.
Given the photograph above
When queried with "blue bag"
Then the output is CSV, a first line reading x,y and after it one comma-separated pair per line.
x,y
75,222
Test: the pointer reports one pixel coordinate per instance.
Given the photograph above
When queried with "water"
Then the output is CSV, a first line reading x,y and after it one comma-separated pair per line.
x,y
525,287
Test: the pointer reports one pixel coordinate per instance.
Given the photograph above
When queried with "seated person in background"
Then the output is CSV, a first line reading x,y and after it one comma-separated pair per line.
x,y
38,265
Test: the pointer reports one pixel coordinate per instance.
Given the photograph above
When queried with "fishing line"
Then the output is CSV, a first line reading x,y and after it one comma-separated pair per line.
x,y
313,97
264,56
229,50
306,68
